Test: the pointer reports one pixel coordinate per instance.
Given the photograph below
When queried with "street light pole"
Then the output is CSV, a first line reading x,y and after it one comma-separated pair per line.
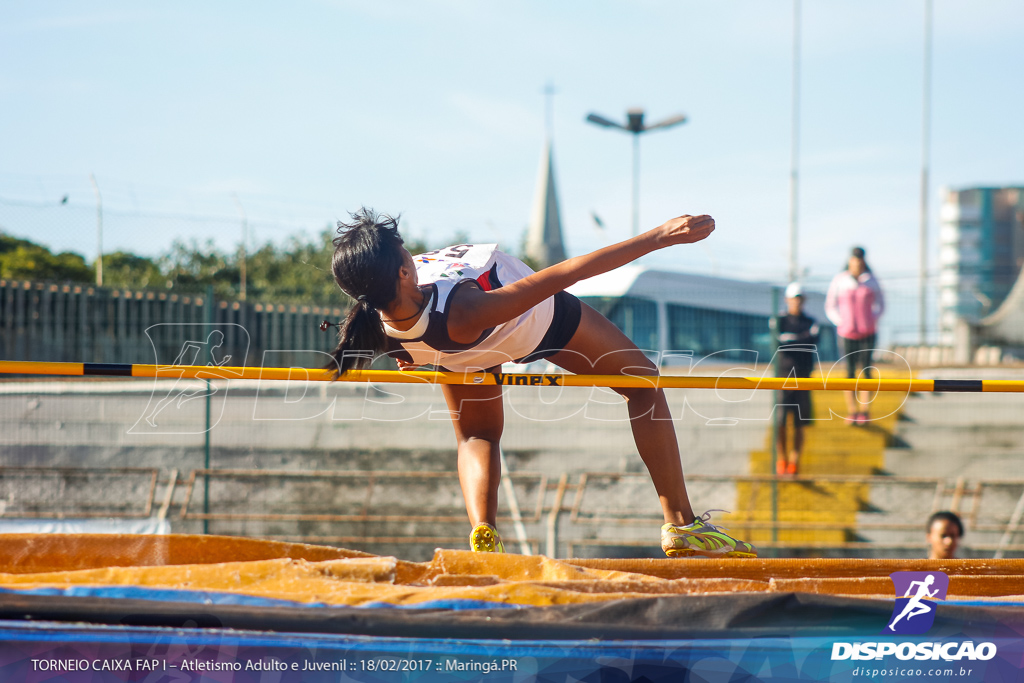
x,y
636,184
635,125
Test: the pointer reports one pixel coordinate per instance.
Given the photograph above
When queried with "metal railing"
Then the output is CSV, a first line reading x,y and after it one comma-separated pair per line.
x,y
81,323
555,510
371,477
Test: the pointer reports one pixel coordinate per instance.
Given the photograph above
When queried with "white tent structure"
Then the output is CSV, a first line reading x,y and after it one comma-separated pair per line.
x,y
1006,324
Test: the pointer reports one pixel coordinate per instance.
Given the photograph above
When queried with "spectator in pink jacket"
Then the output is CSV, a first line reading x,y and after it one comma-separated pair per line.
x,y
854,304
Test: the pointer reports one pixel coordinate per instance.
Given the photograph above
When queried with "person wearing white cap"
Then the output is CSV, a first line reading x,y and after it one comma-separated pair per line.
x,y
798,339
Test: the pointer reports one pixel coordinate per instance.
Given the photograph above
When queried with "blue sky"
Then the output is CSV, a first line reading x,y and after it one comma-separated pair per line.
x,y
434,109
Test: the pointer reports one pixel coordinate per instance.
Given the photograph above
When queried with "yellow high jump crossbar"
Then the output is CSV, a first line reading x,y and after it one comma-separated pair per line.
x,y
510,379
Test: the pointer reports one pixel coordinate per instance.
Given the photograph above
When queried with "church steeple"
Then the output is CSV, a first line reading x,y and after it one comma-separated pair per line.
x,y
544,237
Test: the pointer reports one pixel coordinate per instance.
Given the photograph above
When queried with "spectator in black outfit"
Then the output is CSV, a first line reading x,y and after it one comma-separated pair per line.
x,y
798,340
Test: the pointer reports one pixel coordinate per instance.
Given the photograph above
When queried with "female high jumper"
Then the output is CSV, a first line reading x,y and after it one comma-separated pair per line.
x,y
470,308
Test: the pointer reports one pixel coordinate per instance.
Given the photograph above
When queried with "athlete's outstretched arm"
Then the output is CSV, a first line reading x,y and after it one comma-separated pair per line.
x,y
474,310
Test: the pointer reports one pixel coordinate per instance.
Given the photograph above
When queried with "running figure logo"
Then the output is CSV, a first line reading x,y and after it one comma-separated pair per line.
x,y
916,593
172,407
191,354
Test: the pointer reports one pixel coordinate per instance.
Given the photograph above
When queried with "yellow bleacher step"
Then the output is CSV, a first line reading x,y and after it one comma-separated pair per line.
x,y
851,462
831,447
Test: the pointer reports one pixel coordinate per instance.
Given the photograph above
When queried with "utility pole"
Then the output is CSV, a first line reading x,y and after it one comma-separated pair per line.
x,y
99,230
245,242
794,159
925,163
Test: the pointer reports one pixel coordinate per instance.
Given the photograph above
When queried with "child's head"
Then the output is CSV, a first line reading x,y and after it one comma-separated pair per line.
x,y
944,532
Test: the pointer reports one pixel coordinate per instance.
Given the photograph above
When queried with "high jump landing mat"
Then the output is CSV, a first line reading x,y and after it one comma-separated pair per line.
x,y
183,608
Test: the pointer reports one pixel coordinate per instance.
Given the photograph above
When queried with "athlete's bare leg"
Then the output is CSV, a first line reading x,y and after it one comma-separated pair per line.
x,y
478,417
598,347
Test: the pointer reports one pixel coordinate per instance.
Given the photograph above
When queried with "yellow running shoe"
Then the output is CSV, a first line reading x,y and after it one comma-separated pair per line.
x,y
485,539
702,538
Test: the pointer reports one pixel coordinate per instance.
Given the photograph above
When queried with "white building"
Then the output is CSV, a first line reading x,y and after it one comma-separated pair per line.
x,y
664,310
981,253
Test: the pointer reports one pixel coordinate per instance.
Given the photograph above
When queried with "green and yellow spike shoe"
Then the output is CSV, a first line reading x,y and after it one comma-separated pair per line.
x,y
485,539
702,538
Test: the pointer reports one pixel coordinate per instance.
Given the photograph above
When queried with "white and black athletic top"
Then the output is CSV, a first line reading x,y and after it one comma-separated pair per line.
x,y
440,274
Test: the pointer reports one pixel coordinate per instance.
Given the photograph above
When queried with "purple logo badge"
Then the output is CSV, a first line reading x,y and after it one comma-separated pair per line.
x,y
916,593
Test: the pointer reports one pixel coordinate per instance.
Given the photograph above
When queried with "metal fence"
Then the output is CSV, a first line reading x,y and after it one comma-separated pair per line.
x,y
78,323
360,510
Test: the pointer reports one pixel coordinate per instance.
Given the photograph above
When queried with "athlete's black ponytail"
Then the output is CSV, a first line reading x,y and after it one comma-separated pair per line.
x,y
367,258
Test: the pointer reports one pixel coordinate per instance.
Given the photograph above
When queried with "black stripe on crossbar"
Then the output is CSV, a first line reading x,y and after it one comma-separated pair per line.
x,y
117,369
957,385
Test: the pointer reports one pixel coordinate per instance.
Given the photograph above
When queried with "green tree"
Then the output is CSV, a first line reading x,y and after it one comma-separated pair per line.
x,y
416,246
300,270
191,268
123,269
24,260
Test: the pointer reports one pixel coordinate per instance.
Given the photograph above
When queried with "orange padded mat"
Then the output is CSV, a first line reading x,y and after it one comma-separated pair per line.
x,y
308,573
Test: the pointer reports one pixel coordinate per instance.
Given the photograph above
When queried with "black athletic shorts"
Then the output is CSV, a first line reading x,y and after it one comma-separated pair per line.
x,y
792,401
564,323
858,354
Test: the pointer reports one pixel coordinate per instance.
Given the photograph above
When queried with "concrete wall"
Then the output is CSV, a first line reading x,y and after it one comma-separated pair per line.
x,y
352,428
